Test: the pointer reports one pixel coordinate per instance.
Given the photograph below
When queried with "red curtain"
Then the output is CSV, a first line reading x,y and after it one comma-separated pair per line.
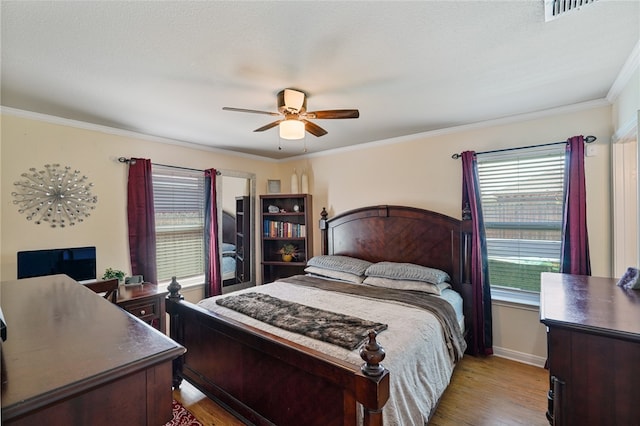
x,y
575,241
481,336
141,219
212,272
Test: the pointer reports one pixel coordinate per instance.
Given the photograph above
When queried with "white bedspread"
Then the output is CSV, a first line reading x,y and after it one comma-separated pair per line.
x,y
416,354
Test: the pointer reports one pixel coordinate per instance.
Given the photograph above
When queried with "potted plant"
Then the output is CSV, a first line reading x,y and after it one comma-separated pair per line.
x,y
288,252
111,273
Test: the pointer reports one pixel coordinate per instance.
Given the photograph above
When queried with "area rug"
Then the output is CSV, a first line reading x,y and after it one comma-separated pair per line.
x,y
182,416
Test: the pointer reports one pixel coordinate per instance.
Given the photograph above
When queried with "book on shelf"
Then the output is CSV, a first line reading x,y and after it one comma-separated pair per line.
x,y
280,229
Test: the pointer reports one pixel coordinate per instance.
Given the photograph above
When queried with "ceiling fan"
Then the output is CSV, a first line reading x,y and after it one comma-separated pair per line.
x,y
292,107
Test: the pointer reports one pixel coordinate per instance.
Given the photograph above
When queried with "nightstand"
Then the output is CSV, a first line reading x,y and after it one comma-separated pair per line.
x,y
145,301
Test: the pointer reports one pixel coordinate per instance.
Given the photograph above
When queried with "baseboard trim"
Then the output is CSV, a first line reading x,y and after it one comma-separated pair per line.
x,y
525,358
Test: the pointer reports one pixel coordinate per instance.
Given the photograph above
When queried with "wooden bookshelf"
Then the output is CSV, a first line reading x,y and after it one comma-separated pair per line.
x,y
290,224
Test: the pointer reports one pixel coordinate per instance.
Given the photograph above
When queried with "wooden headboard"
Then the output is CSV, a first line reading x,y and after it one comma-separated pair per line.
x,y
399,234
405,234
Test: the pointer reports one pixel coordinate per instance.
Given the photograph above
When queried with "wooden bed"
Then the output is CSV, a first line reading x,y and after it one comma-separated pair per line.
x,y
265,379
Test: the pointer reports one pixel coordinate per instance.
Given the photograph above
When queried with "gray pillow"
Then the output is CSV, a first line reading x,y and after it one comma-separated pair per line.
x,y
335,275
348,264
423,286
407,271
228,248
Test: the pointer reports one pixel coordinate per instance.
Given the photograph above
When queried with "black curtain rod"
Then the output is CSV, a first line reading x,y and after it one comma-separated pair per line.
x,y
587,139
129,160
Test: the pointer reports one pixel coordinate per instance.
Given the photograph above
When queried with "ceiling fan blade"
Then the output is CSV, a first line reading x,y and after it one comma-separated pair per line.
x,y
334,113
314,129
268,126
253,111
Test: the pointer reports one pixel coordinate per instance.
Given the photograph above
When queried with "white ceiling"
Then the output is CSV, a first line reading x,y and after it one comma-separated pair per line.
x,y
167,68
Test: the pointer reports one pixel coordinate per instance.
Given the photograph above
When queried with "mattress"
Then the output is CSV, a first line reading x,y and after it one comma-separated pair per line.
x,y
417,354
454,298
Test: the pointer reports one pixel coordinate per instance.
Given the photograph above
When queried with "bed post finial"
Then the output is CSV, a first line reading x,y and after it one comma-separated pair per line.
x,y
466,212
372,354
174,289
323,231
323,218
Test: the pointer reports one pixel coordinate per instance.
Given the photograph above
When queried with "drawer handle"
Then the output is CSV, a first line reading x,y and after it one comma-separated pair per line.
x,y
142,312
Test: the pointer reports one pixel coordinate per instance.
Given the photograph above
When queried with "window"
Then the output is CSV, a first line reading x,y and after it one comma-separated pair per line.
x,y
522,196
179,212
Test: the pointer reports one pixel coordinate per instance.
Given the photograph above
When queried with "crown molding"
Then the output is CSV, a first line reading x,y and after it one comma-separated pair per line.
x,y
567,109
120,132
432,133
628,69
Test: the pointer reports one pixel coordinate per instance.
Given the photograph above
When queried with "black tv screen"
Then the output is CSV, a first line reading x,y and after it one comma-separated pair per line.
x,y
77,262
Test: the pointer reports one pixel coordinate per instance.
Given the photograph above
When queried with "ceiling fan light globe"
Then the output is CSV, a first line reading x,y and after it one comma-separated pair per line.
x,y
291,129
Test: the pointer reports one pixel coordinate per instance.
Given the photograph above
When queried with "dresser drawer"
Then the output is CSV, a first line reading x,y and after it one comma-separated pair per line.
x,y
144,301
145,310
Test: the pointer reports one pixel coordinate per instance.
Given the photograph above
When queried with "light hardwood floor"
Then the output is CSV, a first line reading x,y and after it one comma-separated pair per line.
x,y
493,391
484,391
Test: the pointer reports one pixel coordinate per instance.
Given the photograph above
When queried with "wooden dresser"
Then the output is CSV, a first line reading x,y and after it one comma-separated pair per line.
x,y
594,350
73,358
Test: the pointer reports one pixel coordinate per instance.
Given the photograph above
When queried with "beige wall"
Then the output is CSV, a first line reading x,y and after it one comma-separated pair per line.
x,y
416,171
30,143
420,172
233,187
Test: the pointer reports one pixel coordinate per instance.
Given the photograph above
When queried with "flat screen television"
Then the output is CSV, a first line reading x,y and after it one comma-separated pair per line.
x,y
77,262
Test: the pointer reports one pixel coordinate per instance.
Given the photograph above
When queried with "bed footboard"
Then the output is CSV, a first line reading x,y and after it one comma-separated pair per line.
x,y
265,380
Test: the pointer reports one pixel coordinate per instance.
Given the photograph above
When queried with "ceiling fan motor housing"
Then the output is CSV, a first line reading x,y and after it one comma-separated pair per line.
x,y
292,101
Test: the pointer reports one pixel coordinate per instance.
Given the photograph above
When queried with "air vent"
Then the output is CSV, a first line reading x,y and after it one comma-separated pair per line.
x,y
553,9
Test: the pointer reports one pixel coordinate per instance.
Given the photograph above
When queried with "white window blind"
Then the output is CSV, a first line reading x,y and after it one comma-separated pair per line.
x,y
522,196
178,197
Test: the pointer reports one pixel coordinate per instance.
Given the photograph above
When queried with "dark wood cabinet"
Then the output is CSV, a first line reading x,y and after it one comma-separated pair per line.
x,y
593,342
73,358
243,239
286,219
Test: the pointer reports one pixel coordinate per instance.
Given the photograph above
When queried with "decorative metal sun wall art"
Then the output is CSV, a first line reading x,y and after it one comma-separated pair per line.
x,y
56,195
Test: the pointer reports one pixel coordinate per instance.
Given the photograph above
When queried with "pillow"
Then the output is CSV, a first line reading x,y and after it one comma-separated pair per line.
x,y
348,264
336,275
407,271
423,286
228,247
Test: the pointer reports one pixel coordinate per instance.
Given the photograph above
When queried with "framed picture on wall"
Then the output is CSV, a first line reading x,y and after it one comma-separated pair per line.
x,y
273,186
